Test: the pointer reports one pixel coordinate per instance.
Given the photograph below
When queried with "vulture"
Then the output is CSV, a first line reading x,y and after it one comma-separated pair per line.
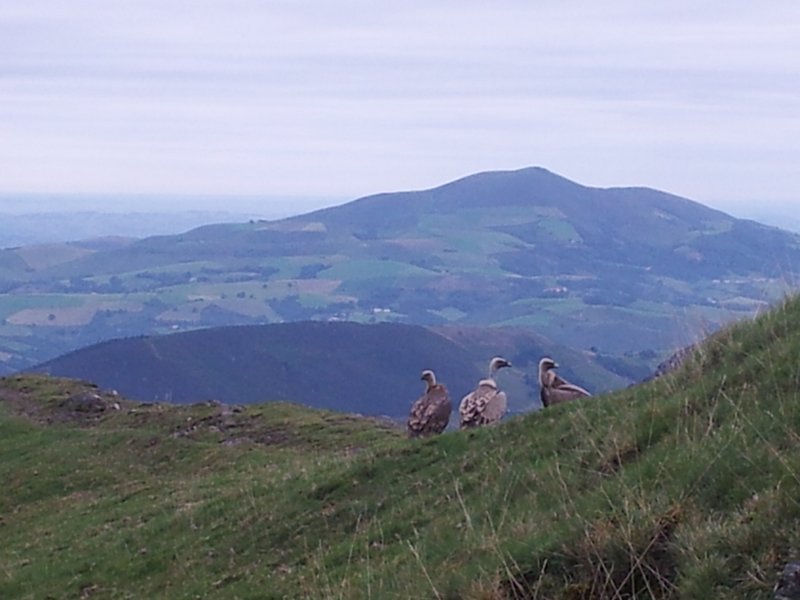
x,y
485,405
431,411
552,388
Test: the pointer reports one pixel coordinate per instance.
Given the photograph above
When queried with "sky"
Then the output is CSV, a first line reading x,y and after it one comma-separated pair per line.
x,y
257,104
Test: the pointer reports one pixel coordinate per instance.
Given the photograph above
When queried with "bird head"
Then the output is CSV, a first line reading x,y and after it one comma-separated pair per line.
x,y
498,362
428,376
546,364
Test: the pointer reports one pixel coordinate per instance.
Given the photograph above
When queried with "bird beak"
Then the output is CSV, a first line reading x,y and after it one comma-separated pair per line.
x,y
508,363
555,365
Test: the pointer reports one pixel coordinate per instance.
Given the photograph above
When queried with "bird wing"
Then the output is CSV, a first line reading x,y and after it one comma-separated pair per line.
x,y
495,408
431,412
571,387
473,405
565,393
439,409
548,381
467,410
556,389
416,419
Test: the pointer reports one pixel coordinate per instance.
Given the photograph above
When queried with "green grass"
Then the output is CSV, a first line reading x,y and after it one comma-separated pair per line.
x,y
561,306
10,304
358,270
449,313
687,487
559,229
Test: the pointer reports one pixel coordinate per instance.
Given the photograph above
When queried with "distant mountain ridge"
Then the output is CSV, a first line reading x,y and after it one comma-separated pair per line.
x,y
638,227
629,273
70,227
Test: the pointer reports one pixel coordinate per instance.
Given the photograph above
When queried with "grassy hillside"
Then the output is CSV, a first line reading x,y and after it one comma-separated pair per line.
x,y
686,487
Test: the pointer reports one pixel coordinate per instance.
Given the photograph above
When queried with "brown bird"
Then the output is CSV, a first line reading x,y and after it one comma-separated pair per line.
x,y
431,411
552,388
485,405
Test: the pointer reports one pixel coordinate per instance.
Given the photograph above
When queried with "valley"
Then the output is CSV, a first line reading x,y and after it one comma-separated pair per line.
x,y
626,274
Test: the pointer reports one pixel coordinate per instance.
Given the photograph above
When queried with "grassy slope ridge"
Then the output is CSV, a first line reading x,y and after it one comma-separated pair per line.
x,y
686,487
368,369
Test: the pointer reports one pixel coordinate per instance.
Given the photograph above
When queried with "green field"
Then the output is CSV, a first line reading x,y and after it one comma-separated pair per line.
x,y
357,270
11,303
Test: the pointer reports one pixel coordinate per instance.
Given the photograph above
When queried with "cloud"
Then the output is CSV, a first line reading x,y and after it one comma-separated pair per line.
x,y
348,98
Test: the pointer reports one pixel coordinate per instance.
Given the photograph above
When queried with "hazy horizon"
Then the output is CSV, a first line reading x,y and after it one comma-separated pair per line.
x,y
33,203
229,208
275,207
336,101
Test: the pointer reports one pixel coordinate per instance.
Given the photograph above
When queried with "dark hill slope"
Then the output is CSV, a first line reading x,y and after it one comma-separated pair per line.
x,y
356,368
368,369
686,487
